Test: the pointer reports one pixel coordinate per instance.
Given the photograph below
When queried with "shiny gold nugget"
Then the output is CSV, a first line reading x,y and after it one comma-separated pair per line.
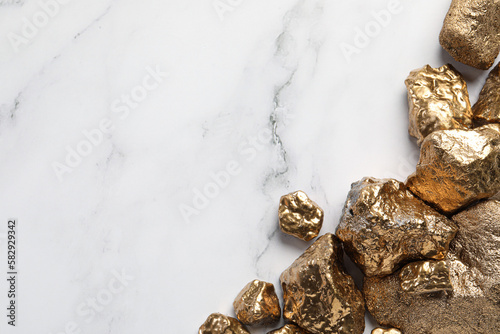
x,y
487,108
386,331
438,100
471,32
217,323
299,216
257,304
319,296
425,277
288,329
458,167
383,226
474,264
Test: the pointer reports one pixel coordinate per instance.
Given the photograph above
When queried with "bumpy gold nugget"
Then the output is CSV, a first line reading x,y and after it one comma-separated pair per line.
x,y
257,304
471,32
438,100
473,306
383,225
487,108
458,167
425,277
386,331
217,323
319,296
288,329
299,216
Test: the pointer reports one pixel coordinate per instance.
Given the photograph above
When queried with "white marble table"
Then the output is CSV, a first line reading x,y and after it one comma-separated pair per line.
x,y
145,145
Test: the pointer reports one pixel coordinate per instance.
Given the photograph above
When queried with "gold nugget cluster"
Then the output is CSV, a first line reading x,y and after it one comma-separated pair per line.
x,y
429,247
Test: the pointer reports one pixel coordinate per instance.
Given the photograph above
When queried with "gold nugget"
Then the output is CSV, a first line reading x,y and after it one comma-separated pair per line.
x,y
319,296
473,305
288,329
458,167
471,32
257,304
487,108
217,323
438,100
386,331
425,277
383,226
299,216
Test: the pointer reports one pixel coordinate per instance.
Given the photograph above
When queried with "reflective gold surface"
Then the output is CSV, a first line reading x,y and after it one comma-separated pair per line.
x,y
386,331
425,277
384,226
458,167
299,216
471,32
487,108
257,304
319,296
288,329
217,323
438,100
473,306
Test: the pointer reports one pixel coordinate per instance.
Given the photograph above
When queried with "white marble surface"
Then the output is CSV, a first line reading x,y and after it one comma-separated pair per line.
x,y
258,88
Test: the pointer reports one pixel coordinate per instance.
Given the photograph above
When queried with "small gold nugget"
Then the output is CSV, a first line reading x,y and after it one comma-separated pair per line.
x,y
471,32
474,265
386,331
458,167
425,277
438,100
319,296
487,108
288,329
383,225
217,323
257,304
299,216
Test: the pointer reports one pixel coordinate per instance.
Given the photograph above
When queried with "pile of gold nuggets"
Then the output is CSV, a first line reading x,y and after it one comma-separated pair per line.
x,y
428,247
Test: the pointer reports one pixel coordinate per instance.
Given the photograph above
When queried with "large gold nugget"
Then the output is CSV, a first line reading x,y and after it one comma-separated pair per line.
x,y
473,306
217,323
386,331
288,329
471,32
299,216
257,304
319,296
383,226
438,100
425,277
458,167
487,108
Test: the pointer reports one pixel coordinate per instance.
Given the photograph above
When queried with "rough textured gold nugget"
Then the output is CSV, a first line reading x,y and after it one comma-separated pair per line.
x,y
471,32
473,305
217,323
458,167
438,100
299,216
288,329
319,296
383,226
487,108
257,304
